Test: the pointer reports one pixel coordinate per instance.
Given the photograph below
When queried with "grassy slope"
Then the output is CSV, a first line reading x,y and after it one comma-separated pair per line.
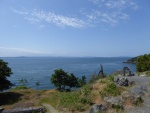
x,y
80,100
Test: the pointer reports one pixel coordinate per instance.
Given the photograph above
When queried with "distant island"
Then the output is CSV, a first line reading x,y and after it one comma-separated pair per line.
x,y
132,60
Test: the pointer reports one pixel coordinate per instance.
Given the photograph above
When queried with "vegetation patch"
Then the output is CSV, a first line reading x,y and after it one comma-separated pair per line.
x,y
111,90
143,63
20,87
148,73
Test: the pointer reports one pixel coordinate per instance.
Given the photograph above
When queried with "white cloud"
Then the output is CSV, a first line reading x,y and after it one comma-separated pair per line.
x,y
104,12
36,16
116,4
20,12
112,12
111,18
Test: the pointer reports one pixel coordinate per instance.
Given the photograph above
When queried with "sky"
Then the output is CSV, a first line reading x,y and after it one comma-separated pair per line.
x,y
74,28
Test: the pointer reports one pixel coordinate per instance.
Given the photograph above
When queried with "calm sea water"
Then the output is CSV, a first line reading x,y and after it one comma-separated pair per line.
x,y
40,69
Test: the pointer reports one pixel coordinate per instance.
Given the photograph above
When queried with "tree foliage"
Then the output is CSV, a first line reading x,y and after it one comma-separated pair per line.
x,y
61,79
143,63
5,72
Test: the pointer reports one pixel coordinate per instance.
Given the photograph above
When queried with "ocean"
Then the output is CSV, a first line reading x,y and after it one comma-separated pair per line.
x,y
40,69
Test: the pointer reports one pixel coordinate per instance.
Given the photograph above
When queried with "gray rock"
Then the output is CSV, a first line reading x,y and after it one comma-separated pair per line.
x,y
126,95
139,90
121,80
97,108
116,79
1,109
113,100
131,83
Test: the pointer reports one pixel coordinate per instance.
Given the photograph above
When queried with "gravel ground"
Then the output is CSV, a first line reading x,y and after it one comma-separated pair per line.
x,y
139,79
145,107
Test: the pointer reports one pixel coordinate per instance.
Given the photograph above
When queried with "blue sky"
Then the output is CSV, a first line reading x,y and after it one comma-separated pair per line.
x,y
78,28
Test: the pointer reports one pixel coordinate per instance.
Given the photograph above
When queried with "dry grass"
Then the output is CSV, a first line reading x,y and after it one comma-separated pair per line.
x,y
23,98
85,96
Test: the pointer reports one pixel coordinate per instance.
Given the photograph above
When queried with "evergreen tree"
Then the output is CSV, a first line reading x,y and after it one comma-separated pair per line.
x,y
5,72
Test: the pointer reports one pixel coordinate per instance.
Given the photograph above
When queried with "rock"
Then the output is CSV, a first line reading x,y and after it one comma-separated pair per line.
x,y
142,75
113,100
116,79
121,81
126,95
26,110
139,90
1,109
98,108
131,83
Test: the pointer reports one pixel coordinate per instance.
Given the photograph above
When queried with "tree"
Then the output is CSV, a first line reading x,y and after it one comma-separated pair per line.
x,y
143,63
82,81
5,72
59,79
72,81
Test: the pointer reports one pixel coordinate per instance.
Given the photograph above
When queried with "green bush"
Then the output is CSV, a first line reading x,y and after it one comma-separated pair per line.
x,y
110,90
118,108
111,77
148,73
143,63
20,87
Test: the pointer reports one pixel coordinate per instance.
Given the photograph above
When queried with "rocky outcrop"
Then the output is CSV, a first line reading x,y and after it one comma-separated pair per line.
x,y
113,100
25,110
98,108
140,90
121,81
132,98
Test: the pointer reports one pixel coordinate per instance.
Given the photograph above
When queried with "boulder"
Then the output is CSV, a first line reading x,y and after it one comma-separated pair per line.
x,y
140,90
121,81
98,108
113,100
126,95
116,79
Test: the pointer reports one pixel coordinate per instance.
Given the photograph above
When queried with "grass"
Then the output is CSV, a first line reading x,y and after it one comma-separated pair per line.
x,y
148,73
20,87
75,101
111,90
72,101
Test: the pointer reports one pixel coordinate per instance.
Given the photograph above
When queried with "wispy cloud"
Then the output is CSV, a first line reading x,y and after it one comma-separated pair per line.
x,y
36,16
105,12
112,12
116,4
111,18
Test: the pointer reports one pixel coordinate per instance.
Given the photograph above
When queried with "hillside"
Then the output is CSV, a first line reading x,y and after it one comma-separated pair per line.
x,y
132,60
81,100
